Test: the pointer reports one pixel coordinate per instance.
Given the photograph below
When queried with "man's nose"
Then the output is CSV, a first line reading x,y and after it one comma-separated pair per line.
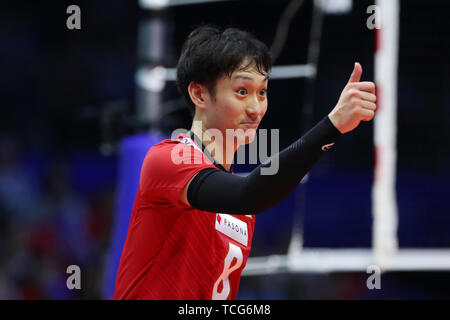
x,y
254,108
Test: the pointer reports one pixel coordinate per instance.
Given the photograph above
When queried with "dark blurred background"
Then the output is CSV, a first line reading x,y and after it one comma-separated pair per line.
x,y
68,97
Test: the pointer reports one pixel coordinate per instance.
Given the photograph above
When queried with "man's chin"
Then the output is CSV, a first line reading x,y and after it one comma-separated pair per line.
x,y
249,136
242,136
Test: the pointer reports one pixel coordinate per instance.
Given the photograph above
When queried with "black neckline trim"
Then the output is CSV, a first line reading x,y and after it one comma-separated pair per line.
x,y
194,137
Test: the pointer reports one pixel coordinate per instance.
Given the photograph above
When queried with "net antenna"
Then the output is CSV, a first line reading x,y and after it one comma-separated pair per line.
x,y
384,198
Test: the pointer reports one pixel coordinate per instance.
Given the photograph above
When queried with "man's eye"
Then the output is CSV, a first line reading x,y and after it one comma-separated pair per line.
x,y
263,92
242,91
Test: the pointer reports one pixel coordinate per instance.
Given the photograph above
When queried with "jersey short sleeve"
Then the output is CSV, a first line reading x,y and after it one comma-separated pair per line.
x,y
168,167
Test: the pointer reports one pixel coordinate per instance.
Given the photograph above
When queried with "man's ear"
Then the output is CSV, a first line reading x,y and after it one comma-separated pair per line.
x,y
198,94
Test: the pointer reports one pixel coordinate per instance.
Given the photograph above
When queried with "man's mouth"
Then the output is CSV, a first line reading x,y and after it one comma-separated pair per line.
x,y
250,124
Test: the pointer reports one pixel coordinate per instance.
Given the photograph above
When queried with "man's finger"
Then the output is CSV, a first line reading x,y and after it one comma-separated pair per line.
x,y
366,114
368,105
356,74
365,86
368,96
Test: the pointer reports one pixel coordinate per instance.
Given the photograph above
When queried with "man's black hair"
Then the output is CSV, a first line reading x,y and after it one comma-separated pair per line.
x,y
210,53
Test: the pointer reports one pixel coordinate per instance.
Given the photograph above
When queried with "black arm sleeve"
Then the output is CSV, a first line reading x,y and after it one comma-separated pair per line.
x,y
218,191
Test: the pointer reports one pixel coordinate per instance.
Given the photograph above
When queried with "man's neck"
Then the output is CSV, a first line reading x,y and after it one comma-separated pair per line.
x,y
215,146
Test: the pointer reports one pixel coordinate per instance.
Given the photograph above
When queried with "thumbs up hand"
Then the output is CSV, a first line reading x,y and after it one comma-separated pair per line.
x,y
356,103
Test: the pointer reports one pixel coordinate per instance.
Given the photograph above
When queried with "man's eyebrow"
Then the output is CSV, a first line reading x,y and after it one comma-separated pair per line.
x,y
249,78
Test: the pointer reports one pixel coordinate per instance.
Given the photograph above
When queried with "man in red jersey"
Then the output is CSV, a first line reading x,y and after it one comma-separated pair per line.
x,y
192,223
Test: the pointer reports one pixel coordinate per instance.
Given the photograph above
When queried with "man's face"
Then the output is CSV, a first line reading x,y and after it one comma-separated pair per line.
x,y
239,104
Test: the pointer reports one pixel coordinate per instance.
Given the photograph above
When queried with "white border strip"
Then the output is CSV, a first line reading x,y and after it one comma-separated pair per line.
x,y
160,4
347,260
278,72
293,71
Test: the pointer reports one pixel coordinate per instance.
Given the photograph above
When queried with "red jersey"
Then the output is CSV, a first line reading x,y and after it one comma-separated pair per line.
x,y
172,250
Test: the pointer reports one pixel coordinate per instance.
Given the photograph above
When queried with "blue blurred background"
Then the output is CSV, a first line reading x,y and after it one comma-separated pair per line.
x,y
68,99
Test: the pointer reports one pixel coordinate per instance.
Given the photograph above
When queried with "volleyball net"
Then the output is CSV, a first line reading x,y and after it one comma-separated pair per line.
x,y
385,252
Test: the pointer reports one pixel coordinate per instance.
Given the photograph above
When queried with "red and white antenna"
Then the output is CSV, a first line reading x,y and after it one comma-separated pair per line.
x,y
384,198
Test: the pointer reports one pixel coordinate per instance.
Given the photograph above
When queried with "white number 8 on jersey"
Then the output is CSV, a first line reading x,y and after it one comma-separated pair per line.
x,y
233,252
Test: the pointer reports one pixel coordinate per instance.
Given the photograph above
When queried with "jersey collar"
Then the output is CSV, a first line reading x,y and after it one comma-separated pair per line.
x,y
197,140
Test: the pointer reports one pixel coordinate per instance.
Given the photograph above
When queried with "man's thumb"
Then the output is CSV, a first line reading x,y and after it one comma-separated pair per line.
x,y
356,74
